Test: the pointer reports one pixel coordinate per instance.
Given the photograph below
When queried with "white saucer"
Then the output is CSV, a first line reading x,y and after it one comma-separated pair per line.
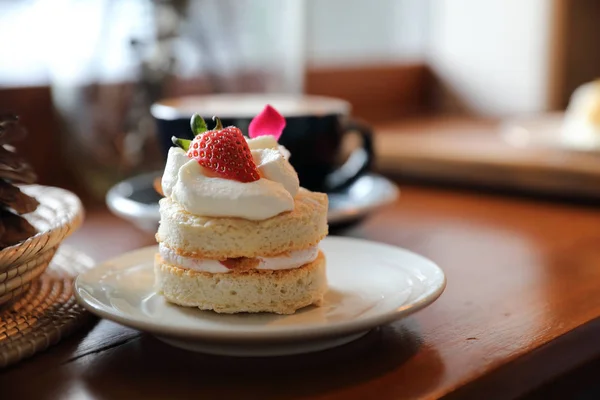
x,y
135,200
370,284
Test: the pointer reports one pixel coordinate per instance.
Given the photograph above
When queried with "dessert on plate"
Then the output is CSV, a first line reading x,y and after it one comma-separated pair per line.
x,y
581,126
237,233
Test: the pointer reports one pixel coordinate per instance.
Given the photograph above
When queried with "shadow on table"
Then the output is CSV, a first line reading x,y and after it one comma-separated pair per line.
x,y
147,368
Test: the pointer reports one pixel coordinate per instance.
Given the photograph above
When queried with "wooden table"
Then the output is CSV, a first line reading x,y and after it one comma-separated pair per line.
x,y
519,310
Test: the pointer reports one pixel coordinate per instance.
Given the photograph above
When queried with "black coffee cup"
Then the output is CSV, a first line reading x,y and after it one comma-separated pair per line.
x,y
314,132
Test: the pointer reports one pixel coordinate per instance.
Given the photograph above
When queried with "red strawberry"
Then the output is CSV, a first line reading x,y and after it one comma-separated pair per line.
x,y
226,153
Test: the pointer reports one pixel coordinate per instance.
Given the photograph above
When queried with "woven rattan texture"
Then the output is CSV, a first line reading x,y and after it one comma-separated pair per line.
x,y
46,313
60,212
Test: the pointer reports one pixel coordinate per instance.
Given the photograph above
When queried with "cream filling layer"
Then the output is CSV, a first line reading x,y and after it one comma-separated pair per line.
x,y
293,259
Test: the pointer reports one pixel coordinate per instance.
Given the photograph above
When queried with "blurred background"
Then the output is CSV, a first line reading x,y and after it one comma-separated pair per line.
x,y
459,91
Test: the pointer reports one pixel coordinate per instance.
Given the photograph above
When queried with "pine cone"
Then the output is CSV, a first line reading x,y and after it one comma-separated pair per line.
x,y
14,229
14,170
12,197
10,129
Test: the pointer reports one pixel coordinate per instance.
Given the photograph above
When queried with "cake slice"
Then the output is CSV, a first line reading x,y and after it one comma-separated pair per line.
x,y
237,233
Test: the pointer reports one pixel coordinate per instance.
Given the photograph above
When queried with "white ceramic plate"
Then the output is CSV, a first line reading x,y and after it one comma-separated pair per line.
x,y
370,284
136,201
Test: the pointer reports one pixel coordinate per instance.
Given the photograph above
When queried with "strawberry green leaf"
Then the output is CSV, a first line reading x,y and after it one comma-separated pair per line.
x,y
183,143
198,125
219,125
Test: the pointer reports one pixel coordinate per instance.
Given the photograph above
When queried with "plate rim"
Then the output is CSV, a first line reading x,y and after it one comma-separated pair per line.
x,y
275,335
165,109
351,213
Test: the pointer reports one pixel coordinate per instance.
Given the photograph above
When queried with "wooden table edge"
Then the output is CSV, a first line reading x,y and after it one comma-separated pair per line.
x,y
531,371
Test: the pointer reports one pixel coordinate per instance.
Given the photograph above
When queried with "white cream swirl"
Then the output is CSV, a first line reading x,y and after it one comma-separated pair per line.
x,y
185,182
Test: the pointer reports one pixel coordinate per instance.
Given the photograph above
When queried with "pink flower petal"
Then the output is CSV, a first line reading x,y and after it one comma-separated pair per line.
x,y
268,122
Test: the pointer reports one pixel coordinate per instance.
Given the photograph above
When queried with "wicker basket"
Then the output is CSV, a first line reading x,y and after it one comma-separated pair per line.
x,y
60,212
47,310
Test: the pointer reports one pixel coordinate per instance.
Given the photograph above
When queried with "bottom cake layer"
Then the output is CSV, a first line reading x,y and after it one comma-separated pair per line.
x,y
276,291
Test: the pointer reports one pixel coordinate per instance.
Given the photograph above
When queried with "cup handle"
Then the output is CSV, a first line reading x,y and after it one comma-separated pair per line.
x,y
359,161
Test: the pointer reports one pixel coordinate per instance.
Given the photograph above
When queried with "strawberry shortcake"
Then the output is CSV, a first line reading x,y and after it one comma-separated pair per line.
x,y
237,232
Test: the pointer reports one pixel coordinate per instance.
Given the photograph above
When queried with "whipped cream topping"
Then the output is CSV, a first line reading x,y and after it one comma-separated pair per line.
x,y
293,259
185,181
